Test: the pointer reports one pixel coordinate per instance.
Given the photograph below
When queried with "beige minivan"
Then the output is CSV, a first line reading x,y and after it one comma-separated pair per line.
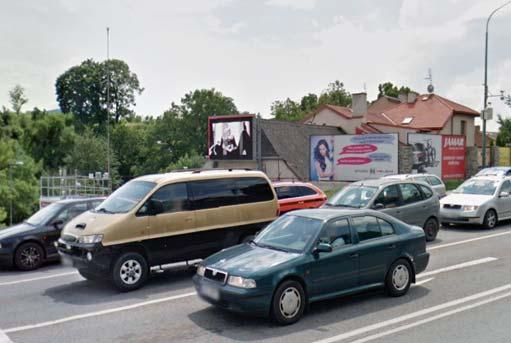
x,y
165,218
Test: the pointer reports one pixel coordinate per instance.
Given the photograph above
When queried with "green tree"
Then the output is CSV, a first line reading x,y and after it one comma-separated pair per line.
x,y
389,89
187,162
287,110
335,94
17,98
82,90
129,145
504,135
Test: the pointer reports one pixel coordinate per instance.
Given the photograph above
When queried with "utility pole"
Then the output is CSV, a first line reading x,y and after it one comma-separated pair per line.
x,y
486,80
108,106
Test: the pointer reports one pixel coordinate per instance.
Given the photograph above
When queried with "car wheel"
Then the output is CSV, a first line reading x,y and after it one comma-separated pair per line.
x,y
288,303
130,271
399,278
431,229
29,256
490,219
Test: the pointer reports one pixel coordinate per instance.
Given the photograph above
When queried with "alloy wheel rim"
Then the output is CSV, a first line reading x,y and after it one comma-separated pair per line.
x,y
430,228
30,257
130,272
400,277
491,219
290,302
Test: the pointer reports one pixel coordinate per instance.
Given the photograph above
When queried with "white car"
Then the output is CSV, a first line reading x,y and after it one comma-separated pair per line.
x,y
482,200
434,181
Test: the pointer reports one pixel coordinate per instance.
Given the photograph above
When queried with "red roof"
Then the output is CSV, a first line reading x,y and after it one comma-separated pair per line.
x,y
345,112
429,111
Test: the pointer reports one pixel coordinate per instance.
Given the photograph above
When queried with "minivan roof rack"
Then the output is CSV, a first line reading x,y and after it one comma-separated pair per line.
x,y
196,171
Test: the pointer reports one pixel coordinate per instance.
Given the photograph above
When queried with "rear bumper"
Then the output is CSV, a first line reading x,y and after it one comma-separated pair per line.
x,y
93,258
421,262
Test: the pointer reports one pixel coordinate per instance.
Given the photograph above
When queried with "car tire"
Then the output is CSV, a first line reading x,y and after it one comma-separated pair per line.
x,y
130,271
399,278
29,256
431,229
490,219
288,303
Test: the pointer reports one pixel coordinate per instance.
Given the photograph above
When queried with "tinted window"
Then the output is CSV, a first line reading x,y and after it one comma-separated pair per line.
x,y
506,187
386,227
388,197
307,191
337,233
434,180
426,191
214,193
367,228
410,193
174,198
45,214
72,211
286,192
253,189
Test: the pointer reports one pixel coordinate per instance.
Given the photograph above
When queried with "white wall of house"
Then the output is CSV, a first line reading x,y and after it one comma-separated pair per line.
x,y
328,117
403,132
453,127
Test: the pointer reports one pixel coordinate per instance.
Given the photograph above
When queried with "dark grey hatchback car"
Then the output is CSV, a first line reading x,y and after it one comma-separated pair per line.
x,y
414,203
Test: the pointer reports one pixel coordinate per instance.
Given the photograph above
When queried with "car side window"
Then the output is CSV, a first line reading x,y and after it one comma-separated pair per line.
x,y
174,197
434,181
367,227
421,179
426,191
388,197
214,193
306,191
386,227
72,211
287,192
253,189
506,187
336,233
410,193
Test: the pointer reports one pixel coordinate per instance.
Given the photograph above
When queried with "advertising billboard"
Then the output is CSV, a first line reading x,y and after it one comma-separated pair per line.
x,y
353,157
231,137
442,155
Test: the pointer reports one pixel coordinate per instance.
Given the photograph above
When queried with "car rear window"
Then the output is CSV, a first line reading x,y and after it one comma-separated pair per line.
x,y
253,189
305,191
367,227
434,180
286,192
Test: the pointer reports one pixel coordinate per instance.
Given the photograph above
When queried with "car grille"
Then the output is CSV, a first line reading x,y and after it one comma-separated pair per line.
x,y
215,275
452,207
68,238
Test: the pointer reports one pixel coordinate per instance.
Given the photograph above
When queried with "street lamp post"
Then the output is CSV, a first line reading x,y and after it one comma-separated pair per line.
x,y
11,186
486,80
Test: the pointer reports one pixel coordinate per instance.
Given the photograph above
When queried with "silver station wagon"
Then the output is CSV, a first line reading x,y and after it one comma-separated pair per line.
x,y
414,203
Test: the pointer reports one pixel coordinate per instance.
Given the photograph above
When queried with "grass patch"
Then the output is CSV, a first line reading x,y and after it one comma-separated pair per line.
x,y
452,184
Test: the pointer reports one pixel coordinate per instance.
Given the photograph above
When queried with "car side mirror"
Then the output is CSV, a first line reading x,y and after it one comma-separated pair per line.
x,y
378,206
322,247
155,207
58,224
504,195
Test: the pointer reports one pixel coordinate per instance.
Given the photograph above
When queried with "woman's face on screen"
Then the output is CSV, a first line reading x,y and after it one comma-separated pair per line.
x,y
322,150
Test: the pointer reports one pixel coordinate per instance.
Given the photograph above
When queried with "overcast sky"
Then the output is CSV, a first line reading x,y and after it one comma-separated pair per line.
x,y
259,51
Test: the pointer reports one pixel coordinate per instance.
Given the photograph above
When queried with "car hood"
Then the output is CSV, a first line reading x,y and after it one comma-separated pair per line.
x,y
465,199
90,223
247,259
22,228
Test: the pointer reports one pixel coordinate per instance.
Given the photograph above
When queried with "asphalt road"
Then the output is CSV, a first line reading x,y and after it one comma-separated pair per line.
x,y
464,296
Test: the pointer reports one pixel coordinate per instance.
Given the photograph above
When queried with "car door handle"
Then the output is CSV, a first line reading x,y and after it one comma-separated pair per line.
x,y
189,219
354,255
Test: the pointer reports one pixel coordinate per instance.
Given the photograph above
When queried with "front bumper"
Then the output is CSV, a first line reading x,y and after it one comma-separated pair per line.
x,y
77,254
249,301
460,217
6,258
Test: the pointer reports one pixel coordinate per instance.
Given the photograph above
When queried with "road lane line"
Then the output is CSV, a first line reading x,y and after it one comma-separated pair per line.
x,y
98,313
412,315
457,266
430,319
4,338
37,278
434,247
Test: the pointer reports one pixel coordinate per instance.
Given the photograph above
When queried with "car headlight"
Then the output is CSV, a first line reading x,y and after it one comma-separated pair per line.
x,y
238,281
200,270
90,239
470,208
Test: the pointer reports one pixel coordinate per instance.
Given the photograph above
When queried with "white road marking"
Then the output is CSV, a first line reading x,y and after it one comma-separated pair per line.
x,y
37,278
457,266
422,282
441,246
4,338
98,313
430,319
412,315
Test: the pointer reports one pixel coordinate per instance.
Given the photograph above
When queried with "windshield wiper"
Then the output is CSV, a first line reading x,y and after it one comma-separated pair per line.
x,y
272,247
104,210
342,205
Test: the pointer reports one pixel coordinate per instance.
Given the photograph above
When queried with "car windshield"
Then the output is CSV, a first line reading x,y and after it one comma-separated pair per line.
x,y
289,233
126,197
482,187
44,215
353,196
492,171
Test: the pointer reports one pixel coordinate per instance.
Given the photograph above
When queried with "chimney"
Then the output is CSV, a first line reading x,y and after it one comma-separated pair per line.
x,y
359,104
412,96
403,97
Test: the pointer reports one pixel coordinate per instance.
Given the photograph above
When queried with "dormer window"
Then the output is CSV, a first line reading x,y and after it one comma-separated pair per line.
x,y
407,120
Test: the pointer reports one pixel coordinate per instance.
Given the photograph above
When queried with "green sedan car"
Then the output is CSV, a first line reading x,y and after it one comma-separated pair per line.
x,y
311,255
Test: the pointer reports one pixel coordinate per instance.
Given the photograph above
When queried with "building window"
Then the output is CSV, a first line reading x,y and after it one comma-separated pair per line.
x,y
463,127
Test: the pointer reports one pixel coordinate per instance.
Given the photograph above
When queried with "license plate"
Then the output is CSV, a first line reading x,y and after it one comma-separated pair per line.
x,y
210,292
